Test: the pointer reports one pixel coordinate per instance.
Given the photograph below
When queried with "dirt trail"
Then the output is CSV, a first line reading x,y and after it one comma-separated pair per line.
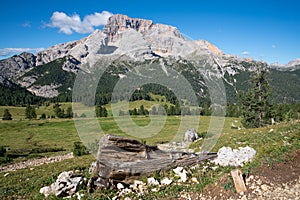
x,y
35,162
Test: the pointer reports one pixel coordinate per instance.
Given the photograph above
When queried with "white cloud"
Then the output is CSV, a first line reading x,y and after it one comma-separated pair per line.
x,y
26,25
10,51
245,53
69,24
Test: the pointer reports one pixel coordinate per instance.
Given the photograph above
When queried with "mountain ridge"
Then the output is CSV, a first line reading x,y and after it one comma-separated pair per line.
x,y
139,40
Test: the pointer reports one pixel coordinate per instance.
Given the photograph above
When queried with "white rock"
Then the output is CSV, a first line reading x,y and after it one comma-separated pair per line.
x,y
115,198
183,176
65,184
152,181
234,157
137,183
264,187
182,173
194,180
166,181
177,170
190,136
46,191
120,186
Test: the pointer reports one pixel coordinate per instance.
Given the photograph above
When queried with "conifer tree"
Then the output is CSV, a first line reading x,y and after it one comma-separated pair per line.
x,y
7,115
256,106
101,111
30,112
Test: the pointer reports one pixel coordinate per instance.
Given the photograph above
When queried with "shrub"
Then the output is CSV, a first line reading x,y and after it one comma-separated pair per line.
x,y
4,159
2,151
79,149
6,115
43,116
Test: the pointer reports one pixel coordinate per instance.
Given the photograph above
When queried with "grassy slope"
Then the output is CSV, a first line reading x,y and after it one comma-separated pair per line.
x,y
18,113
271,146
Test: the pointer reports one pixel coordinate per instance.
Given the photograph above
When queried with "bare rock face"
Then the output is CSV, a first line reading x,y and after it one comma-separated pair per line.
x,y
16,66
118,23
80,50
48,91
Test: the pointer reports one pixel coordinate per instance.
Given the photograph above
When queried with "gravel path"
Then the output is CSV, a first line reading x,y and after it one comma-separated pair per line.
x,y
35,162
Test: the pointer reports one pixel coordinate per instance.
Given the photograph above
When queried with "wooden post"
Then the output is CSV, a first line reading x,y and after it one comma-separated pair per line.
x,y
239,183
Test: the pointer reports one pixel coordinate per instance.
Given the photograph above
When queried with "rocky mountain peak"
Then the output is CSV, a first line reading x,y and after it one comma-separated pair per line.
x,y
118,23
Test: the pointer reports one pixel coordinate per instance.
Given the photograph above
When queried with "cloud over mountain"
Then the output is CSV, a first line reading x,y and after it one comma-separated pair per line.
x,y
9,51
69,24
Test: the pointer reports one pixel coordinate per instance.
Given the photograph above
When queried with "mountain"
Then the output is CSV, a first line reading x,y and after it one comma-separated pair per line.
x,y
132,42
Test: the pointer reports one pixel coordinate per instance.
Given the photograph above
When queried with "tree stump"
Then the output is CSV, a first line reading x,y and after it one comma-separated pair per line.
x,y
124,159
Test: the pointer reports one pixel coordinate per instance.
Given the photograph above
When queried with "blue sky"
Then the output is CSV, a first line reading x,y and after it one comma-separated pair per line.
x,y
264,30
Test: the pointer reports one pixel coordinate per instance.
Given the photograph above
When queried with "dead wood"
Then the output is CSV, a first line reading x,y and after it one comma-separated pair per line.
x,y
124,159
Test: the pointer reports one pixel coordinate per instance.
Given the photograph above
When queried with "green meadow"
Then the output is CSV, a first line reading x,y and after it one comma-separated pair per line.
x,y
20,136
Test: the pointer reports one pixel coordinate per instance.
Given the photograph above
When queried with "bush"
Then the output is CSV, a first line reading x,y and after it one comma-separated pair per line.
x,y
79,149
83,115
4,159
2,151
6,115
43,116
3,156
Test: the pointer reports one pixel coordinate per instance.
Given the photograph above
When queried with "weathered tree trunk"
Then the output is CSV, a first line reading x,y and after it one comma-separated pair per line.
x,y
124,159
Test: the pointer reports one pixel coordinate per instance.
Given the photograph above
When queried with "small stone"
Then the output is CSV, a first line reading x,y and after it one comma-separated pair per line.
x,y
115,198
251,177
264,187
177,170
194,180
120,186
152,181
244,197
166,181
46,191
154,190
259,182
137,182
5,175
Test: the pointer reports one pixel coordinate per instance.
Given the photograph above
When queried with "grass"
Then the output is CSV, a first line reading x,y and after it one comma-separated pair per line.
x,y
25,183
18,112
273,144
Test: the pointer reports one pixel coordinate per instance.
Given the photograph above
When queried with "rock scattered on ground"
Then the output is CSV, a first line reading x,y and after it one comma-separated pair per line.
x,y
67,184
181,176
234,157
190,136
35,162
257,189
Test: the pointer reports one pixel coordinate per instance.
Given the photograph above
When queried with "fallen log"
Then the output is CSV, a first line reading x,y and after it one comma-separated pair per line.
x,y
123,160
